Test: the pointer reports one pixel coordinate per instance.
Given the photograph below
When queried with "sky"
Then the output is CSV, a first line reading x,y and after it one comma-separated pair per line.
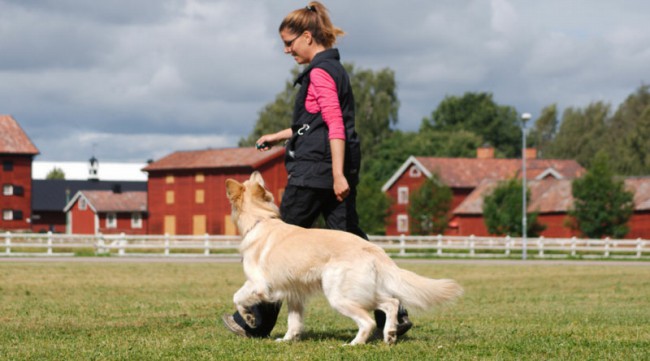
x,y
133,80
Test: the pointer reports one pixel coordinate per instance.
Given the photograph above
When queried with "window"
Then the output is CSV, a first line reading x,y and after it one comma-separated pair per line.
x,y
415,172
8,190
169,197
7,215
7,166
403,195
83,205
402,223
136,220
111,220
169,179
199,196
199,178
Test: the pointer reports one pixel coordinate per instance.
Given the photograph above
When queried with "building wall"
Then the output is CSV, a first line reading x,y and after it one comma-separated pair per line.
x,y
19,176
173,199
123,224
49,221
82,220
639,225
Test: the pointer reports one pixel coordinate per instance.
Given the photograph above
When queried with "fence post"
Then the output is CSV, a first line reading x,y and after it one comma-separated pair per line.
x,y
101,245
49,243
540,244
122,243
439,245
471,245
607,240
573,246
166,244
206,243
508,245
402,245
639,247
8,243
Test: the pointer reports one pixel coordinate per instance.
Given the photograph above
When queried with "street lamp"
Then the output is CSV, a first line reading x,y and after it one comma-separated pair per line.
x,y
524,118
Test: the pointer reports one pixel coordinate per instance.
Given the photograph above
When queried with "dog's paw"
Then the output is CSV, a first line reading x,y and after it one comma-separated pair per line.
x,y
250,320
390,338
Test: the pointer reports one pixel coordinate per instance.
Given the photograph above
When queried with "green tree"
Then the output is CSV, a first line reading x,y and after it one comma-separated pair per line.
x,y
602,207
478,113
55,173
429,207
544,130
629,134
502,211
372,205
582,133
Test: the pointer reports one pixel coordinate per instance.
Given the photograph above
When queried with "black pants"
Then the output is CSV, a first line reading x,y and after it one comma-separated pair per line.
x,y
301,206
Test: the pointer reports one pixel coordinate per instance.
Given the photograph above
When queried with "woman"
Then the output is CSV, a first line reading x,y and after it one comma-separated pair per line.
x,y
323,151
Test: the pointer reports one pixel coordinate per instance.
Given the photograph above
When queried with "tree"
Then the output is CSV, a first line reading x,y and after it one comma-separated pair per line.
x,y
429,207
629,134
544,130
478,113
372,205
502,211
55,173
602,207
581,134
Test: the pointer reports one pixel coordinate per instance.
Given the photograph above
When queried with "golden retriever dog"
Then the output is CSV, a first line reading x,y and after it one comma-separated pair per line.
x,y
286,262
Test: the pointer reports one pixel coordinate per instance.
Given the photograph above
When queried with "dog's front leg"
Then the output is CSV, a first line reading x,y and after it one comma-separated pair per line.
x,y
247,296
295,309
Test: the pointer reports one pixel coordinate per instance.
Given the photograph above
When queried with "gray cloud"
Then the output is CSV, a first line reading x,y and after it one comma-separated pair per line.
x,y
139,79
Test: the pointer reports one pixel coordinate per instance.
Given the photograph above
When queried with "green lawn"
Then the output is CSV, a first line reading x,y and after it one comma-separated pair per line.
x,y
168,311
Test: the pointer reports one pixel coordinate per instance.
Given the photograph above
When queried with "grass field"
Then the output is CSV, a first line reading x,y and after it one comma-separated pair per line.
x,y
169,311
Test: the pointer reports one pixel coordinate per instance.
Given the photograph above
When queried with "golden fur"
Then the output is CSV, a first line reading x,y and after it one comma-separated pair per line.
x,y
286,262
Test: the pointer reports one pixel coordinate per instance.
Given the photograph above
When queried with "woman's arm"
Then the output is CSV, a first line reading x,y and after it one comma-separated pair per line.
x,y
269,140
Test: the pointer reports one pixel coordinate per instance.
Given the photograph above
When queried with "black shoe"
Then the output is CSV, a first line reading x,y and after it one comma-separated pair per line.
x,y
233,327
403,325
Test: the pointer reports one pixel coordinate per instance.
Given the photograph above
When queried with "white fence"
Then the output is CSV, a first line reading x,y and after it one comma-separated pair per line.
x,y
51,244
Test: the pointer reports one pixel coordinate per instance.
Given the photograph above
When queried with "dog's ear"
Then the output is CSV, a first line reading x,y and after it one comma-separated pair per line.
x,y
234,190
260,192
257,177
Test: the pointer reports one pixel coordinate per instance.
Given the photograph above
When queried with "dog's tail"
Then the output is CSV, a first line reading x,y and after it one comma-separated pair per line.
x,y
415,291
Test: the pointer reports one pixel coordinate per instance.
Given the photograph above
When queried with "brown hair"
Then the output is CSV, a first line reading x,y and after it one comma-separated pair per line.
x,y
315,19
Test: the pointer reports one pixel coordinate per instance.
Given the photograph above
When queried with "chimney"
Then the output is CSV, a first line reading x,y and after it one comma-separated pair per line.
x,y
93,169
485,152
530,153
117,188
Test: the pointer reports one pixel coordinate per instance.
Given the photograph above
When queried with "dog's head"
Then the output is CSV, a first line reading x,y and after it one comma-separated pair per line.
x,y
251,198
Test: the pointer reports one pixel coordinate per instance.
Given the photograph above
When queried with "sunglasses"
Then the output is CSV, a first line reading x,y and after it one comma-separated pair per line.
x,y
288,43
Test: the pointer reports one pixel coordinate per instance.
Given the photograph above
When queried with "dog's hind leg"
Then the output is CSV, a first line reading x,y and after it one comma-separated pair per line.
x,y
390,306
294,321
360,316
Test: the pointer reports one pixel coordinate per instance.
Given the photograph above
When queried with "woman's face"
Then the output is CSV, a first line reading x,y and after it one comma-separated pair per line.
x,y
297,46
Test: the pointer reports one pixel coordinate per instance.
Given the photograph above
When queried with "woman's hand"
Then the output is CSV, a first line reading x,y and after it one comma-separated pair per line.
x,y
267,141
341,188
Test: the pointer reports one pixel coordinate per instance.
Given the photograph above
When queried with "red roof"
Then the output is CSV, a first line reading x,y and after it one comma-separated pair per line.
x,y
215,158
13,140
469,172
109,201
552,195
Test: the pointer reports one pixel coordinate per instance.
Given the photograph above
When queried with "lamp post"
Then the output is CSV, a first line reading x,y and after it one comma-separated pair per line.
x,y
524,118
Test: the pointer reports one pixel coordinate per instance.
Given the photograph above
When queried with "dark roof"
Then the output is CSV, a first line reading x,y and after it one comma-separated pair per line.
x,y
51,195
13,140
215,158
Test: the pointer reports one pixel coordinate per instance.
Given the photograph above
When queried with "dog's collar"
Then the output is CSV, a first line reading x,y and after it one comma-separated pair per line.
x,y
252,227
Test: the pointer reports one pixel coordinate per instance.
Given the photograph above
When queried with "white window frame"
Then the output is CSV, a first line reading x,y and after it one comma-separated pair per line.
x,y
136,220
403,195
8,190
83,204
415,172
7,215
402,223
111,220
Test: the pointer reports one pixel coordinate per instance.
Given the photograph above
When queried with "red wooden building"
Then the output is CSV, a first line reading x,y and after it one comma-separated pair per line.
x,y
186,189
16,155
463,176
107,212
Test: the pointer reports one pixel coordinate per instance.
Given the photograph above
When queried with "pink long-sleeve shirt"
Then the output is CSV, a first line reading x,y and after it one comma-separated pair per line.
x,y
322,97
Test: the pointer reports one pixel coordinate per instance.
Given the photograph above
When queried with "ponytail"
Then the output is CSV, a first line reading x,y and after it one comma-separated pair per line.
x,y
315,19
